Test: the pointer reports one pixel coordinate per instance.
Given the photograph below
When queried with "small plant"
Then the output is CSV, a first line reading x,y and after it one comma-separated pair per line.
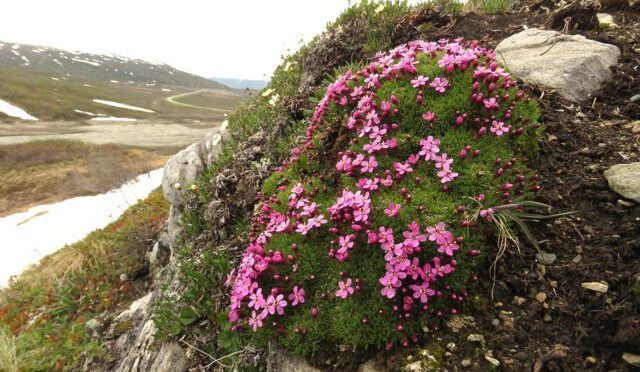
x,y
361,237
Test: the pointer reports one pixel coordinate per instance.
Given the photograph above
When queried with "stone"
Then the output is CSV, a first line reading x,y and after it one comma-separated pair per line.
x,y
573,65
414,367
541,297
474,337
590,360
625,180
493,361
632,359
601,287
519,300
93,324
605,20
451,346
546,258
182,169
466,363
369,366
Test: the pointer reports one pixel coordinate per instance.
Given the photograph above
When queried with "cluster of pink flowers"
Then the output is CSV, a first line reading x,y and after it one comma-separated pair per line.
x,y
416,259
404,264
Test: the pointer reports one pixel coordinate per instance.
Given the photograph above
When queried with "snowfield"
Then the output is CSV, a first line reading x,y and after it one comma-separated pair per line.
x,y
15,111
122,105
29,236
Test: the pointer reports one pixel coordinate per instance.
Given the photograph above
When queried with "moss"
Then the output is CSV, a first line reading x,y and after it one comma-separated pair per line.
x,y
341,321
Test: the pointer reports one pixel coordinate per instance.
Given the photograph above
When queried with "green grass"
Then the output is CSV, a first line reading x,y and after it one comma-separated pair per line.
x,y
48,306
47,99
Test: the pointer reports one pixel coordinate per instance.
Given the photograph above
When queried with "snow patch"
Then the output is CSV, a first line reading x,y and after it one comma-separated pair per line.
x,y
84,112
113,118
96,64
29,236
122,105
15,111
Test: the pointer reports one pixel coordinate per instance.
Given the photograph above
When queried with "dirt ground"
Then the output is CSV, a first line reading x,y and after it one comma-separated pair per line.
x,y
573,329
49,171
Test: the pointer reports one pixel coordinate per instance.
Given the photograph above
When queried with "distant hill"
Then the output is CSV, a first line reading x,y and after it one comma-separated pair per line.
x,y
241,83
55,84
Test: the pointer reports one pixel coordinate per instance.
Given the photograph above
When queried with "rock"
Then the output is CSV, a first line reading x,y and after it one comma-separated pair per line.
x,y
170,357
541,297
571,64
601,287
466,363
493,361
546,258
369,366
159,254
280,361
451,346
495,322
632,359
590,360
93,324
519,300
634,98
414,367
606,20
625,180
474,337
181,170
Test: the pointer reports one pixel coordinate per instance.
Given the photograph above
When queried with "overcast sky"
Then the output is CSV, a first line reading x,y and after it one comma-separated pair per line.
x,y
226,38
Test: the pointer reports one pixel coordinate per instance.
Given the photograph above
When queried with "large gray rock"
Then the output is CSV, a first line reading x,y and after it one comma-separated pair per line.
x,y
180,172
571,64
625,180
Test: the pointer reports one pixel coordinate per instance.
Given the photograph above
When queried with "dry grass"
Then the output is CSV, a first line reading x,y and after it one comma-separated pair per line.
x,y
8,360
48,171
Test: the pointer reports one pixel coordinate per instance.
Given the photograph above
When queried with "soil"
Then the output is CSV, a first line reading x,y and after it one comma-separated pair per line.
x,y
573,328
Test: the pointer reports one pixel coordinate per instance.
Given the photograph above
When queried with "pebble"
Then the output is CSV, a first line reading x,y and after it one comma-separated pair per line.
x,y
547,318
474,337
634,98
601,287
625,203
93,324
448,354
495,322
495,362
546,258
451,347
541,297
519,300
590,360
632,359
466,363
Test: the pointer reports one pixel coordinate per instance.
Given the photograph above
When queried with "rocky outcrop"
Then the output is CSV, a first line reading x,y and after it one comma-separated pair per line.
x,y
625,180
571,64
183,169
131,334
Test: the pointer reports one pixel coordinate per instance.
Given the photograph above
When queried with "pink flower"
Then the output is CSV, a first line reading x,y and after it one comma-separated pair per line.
x,y
439,234
369,166
346,288
447,175
275,304
297,296
393,209
443,162
256,320
402,168
491,103
422,291
257,300
388,287
448,248
420,81
429,116
430,148
499,128
413,237
439,84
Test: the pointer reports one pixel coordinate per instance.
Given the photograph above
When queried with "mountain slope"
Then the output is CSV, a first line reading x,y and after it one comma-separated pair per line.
x,y
53,84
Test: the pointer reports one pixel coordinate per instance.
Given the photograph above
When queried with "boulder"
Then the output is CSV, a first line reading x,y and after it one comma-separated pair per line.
x,y
180,172
573,65
625,180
